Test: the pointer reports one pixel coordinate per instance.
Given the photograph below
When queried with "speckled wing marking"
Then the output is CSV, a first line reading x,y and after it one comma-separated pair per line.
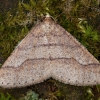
x,y
49,51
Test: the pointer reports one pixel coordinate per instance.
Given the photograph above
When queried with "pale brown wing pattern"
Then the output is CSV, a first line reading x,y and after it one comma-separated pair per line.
x,y
49,51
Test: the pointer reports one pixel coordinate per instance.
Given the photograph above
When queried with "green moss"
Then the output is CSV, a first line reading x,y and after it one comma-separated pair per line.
x,y
6,96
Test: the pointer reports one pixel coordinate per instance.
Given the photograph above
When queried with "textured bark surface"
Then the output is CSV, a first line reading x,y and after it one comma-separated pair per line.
x,y
49,51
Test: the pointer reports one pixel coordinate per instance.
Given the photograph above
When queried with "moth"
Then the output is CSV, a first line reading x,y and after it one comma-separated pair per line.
x,y
49,51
